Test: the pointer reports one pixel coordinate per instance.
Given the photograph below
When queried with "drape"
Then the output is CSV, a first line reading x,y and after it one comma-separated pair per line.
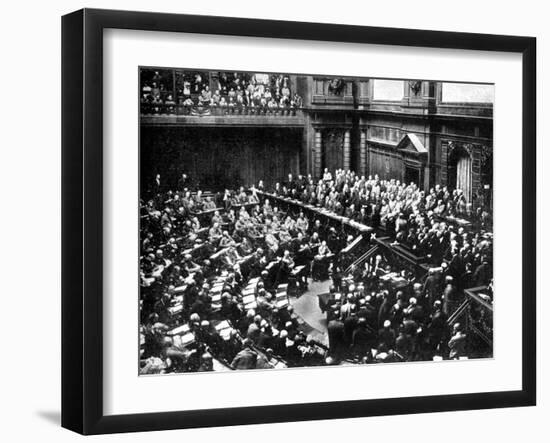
x,y
464,176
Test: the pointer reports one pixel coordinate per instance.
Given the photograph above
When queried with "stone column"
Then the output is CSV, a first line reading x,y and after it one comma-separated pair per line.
x,y
443,162
347,149
317,152
363,152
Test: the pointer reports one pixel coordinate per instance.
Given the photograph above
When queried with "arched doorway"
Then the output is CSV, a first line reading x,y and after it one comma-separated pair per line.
x,y
460,172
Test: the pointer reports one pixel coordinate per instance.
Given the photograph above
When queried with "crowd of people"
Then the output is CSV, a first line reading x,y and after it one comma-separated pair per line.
x,y
199,254
203,255
382,305
237,92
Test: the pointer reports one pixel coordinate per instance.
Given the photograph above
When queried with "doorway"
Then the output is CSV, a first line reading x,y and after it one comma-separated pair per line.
x,y
460,172
412,175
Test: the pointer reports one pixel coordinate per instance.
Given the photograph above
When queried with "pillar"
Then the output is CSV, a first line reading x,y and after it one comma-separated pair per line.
x,y
347,149
317,152
363,152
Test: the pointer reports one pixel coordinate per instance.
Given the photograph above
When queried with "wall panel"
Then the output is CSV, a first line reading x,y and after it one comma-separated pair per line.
x,y
218,158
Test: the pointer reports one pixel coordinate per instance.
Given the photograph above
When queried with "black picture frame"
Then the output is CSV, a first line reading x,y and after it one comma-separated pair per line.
x,y
82,215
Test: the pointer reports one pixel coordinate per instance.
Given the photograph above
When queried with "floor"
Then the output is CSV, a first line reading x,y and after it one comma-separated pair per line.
x,y
307,307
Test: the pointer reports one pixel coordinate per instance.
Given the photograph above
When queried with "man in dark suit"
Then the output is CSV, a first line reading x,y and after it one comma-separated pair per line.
x,y
483,273
432,286
246,359
336,340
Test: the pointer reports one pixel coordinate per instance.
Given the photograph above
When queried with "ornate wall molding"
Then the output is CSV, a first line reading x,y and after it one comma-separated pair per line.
x,y
468,147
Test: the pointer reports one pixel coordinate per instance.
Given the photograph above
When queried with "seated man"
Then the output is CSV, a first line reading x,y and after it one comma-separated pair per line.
x,y
217,218
271,241
215,234
245,247
199,202
226,240
253,197
285,238
242,197
189,266
209,204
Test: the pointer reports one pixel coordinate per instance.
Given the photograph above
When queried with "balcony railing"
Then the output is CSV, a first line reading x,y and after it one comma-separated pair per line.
x,y
172,109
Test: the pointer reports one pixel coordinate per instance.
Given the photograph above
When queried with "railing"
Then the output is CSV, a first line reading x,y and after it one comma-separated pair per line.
x,y
399,257
169,109
360,261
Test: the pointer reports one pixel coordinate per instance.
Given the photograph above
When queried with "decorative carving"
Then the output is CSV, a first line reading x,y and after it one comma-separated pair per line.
x,y
486,154
466,146
416,86
336,86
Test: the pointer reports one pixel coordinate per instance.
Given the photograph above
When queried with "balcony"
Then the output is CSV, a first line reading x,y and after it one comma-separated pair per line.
x,y
155,114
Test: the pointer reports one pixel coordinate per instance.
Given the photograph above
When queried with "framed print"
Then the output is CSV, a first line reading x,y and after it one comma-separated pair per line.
x,y
255,211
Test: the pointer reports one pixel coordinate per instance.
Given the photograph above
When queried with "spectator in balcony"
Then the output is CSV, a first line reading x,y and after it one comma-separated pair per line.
x,y
263,102
298,102
215,100
272,105
285,91
247,100
240,101
223,102
155,91
198,82
188,104
186,87
205,97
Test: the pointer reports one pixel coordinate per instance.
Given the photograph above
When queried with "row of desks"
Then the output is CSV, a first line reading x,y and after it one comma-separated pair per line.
x,y
319,211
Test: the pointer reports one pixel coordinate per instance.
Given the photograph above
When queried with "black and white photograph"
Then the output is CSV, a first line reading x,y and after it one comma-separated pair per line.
x,y
303,221
292,220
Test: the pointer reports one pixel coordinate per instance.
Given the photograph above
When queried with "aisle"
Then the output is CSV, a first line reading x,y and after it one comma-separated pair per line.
x,y
307,307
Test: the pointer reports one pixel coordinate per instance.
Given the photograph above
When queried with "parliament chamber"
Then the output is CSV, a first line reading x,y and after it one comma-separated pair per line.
x,y
299,220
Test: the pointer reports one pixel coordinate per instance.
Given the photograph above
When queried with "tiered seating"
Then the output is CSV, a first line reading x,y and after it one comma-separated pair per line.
x,y
223,328
249,294
281,296
182,336
216,292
